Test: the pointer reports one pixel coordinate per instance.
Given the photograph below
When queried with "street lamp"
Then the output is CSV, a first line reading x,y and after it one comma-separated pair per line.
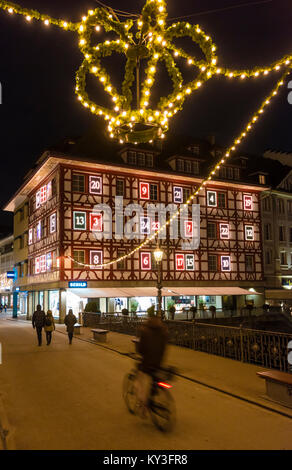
x,y
158,255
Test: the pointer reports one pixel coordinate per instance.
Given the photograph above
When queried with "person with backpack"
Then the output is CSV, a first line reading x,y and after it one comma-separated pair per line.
x,y
70,321
38,322
49,326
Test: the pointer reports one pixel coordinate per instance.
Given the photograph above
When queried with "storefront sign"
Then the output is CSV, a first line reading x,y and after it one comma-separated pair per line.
x,y
95,222
144,191
145,261
225,263
95,185
96,258
212,198
79,220
10,275
177,194
249,232
77,284
224,231
247,202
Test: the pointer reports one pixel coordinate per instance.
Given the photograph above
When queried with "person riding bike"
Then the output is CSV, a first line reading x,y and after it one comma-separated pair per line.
x,y
152,344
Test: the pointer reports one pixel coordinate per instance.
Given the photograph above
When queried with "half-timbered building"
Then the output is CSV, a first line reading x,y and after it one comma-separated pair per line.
x,y
65,249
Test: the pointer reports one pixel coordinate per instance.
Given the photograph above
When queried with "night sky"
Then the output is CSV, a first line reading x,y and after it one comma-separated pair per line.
x,y
38,66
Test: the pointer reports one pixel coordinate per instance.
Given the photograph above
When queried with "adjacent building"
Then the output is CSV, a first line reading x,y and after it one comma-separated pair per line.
x,y
7,273
59,217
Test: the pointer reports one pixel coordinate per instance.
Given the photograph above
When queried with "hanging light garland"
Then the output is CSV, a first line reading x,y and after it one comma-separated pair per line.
x,y
228,154
152,42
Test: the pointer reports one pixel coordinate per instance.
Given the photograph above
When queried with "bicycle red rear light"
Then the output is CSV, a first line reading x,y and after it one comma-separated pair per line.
x,y
164,385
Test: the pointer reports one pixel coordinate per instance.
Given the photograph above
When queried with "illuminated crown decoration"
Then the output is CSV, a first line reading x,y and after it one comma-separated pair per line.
x,y
152,42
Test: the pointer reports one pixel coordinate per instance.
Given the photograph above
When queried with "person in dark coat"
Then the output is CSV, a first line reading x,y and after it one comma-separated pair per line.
x,y
152,344
38,322
70,321
49,326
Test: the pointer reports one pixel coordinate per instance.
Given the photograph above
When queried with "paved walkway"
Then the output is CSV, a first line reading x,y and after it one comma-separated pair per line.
x,y
229,376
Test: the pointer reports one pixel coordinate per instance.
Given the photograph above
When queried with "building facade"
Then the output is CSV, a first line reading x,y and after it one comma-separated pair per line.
x,y
7,272
62,250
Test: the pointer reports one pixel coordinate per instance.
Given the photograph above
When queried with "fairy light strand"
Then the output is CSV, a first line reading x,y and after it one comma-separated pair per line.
x,y
228,154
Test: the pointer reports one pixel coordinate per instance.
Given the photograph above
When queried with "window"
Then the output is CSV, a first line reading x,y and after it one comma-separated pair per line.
x,y
236,173
131,158
30,236
290,232
154,263
121,265
196,168
21,243
195,149
249,263
281,233
53,223
187,166
281,206
289,207
54,187
186,194
153,192
266,204
262,179
79,257
230,173
211,230
267,232
149,160
223,172
141,159
43,228
222,200
268,257
179,165
283,258
120,187
78,183
212,262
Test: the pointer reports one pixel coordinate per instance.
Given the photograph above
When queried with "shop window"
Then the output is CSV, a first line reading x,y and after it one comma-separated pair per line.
x,y
79,257
212,263
211,230
78,183
120,187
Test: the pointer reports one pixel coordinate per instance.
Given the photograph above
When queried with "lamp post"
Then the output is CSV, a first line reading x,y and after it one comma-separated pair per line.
x,y
158,255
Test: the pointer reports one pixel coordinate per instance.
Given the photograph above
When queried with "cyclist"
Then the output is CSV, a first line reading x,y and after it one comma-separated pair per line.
x,y
152,344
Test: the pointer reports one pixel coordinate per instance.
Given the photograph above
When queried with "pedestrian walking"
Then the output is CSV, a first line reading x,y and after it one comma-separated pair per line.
x,y
70,321
38,322
49,326
5,308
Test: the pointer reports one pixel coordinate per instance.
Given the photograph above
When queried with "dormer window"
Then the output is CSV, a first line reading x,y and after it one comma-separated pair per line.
x,y
262,179
141,159
194,149
131,158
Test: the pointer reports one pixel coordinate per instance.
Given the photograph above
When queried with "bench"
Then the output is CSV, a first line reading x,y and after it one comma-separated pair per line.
x,y
77,327
278,386
99,335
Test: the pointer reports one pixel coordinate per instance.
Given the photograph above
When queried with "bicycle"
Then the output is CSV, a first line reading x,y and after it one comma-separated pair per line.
x,y
160,403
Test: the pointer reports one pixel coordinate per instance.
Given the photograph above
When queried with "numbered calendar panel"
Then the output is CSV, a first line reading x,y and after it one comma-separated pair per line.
x,y
144,191
225,263
249,232
247,202
145,261
96,258
224,231
211,198
177,194
95,185
79,220
95,222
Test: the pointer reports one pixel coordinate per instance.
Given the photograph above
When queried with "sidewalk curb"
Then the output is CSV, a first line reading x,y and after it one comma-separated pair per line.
x,y
251,401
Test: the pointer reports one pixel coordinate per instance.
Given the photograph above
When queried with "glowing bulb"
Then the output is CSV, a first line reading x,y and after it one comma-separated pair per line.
x,y
97,28
94,69
10,10
28,18
47,22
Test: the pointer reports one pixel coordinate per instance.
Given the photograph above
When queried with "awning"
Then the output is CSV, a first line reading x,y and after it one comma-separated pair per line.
x,y
152,291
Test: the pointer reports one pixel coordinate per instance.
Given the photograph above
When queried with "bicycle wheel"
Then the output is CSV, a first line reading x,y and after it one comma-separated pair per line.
x,y
162,409
129,392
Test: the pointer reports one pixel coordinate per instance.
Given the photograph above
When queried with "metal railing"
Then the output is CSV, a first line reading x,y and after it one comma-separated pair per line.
x,y
264,348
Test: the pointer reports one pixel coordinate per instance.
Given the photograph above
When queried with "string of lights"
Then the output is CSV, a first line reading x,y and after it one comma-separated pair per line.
x,y
153,42
228,154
